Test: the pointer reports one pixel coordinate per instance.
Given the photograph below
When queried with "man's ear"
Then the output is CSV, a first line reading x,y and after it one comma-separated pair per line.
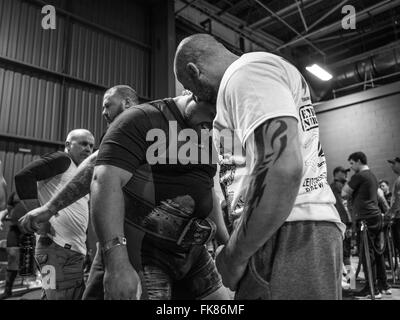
x,y
127,102
192,70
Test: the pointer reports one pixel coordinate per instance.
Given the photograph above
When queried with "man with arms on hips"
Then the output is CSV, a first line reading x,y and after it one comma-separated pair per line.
x,y
288,242
153,218
61,247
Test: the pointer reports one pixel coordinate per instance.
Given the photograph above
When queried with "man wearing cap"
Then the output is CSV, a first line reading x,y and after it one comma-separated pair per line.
x,y
340,178
394,210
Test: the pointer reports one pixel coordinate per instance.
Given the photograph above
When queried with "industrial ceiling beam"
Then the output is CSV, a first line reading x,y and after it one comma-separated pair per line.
x,y
289,10
376,28
301,15
185,6
232,7
263,40
327,14
289,26
364,55
360,16
340,37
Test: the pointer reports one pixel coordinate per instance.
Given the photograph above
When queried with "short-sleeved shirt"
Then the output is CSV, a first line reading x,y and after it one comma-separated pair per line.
x,y
129,144
256,88
365,194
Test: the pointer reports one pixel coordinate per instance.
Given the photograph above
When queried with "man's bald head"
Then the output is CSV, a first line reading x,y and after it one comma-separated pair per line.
x,y
117,99
124,92
197,49
75,134
79,145
200,63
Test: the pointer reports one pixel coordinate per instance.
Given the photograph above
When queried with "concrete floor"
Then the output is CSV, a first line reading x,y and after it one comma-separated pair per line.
x,y
361,282
25,290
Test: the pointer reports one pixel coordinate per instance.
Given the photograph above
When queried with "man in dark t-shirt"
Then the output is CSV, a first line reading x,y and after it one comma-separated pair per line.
x,y
150,175
362,188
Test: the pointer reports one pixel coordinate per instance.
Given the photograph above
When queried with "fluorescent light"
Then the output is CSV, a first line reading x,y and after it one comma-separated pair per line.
x,y
317,71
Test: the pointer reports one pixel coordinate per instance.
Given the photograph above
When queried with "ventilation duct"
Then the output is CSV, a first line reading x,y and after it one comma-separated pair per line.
x,y
378,65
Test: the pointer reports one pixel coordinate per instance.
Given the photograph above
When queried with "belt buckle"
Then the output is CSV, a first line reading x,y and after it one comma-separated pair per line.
x,y
199,234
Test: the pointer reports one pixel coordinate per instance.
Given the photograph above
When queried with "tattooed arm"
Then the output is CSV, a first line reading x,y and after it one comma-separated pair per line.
x,y
75,189
274,184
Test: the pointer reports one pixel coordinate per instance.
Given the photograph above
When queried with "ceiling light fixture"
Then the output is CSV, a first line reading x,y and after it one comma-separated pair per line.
x,y
319,72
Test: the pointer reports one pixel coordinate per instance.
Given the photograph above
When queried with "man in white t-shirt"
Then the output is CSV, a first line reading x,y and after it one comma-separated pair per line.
x,y
287,235
61,247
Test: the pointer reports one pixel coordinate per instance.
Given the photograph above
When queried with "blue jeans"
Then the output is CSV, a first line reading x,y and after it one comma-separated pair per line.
x,y
194,277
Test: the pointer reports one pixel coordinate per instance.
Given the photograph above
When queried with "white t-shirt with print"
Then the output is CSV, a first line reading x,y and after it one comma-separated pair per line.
x,y
257,87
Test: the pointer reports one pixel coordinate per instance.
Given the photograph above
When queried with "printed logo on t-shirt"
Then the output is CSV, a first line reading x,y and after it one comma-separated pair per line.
x,y
308,118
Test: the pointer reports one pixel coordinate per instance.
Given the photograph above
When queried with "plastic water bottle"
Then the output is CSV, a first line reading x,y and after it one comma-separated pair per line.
x,y
27,256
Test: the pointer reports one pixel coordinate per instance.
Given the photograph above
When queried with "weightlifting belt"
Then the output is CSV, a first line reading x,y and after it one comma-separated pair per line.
x,y
171,222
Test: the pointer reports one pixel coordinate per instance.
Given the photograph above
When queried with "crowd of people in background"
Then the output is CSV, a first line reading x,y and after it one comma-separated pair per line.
x,y
363,199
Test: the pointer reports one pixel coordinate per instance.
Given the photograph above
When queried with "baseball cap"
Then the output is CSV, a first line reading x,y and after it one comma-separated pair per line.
x,y
340,169
397,159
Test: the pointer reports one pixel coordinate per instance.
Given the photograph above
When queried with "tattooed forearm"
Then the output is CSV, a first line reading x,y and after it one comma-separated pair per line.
x,y
270,141
76,188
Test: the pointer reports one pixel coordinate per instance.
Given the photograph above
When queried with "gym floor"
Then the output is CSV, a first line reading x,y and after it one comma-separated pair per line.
x,y
22,292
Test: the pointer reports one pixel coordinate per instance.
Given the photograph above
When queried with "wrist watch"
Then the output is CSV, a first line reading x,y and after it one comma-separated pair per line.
x,y
118,241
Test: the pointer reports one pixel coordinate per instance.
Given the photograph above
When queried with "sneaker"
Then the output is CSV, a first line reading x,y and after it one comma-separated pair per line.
x,y
366,294
385,290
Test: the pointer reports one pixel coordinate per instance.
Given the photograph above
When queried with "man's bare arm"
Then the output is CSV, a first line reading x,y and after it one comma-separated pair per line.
x,y
76,188
222,234
121,280
108,205
274,186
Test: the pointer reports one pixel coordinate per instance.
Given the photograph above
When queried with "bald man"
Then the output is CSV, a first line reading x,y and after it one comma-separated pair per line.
x,y
115,101
287,237
61,247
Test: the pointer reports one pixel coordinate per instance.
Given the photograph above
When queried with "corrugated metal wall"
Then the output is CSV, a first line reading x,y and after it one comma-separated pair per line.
x,y
52,81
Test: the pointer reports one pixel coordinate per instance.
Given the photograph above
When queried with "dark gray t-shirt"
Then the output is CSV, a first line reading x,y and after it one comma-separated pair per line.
x,y
365,195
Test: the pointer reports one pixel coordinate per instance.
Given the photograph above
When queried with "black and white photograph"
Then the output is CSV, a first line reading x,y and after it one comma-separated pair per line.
x,y
218,151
